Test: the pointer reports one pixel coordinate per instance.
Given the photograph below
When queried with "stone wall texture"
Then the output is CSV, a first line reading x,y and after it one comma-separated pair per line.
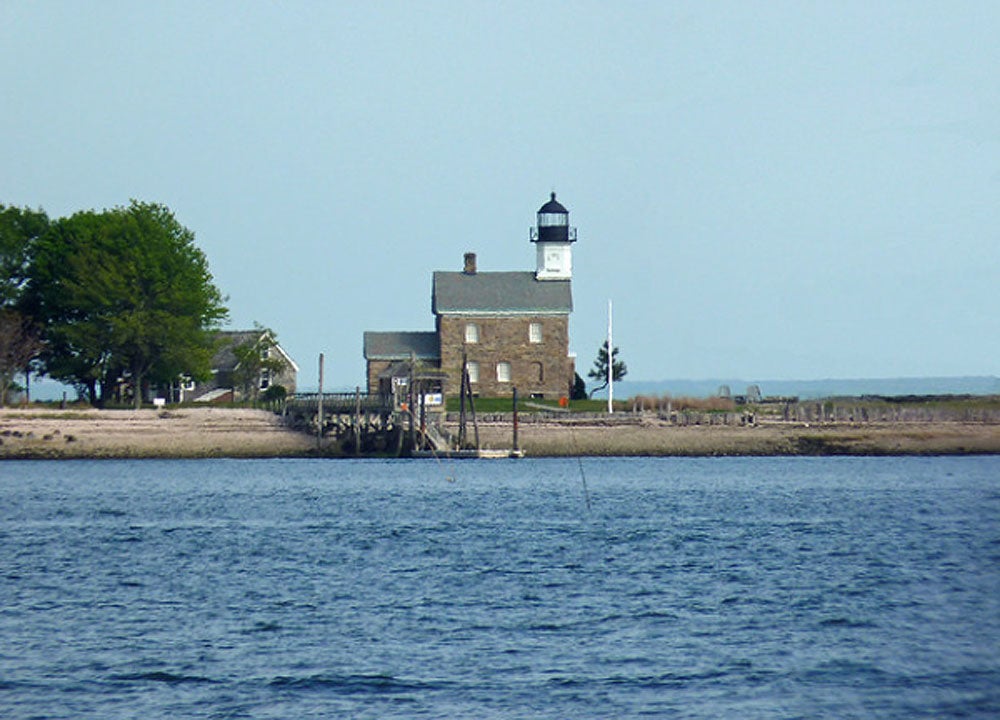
x,y
540,369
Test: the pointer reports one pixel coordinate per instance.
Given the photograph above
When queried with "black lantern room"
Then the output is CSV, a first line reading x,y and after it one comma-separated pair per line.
x,y
553,224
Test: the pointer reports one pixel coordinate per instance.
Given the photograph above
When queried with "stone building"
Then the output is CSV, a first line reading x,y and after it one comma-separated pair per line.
x,y
512,328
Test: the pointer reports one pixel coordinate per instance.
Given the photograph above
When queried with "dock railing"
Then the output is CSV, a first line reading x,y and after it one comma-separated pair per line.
x,y
342,403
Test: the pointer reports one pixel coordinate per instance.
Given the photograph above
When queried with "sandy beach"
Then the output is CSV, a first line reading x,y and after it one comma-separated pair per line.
x,y
180,433
239,433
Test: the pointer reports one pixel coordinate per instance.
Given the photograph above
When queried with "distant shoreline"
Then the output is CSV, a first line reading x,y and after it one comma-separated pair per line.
x,y
191,433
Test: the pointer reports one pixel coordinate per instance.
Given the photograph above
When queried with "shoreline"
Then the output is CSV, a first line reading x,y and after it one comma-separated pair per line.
x,y
652,439
197,433
182,433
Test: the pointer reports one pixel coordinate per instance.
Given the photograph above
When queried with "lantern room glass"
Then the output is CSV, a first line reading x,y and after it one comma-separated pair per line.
x,y
553,219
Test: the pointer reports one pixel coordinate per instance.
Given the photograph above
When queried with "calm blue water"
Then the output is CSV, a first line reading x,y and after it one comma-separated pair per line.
x,y
724,588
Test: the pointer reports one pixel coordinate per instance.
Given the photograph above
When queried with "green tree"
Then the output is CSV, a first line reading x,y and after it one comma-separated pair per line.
x,y
78,343
19,229
124,295
256,362
600,370
274,396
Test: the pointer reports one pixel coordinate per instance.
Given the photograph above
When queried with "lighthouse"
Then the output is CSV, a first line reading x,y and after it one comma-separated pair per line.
x,y
553,238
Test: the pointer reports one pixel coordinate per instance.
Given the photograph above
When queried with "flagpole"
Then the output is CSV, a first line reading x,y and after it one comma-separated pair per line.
x,y
611,374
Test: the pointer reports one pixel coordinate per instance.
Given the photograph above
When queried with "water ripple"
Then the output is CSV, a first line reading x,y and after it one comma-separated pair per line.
x,y
749,588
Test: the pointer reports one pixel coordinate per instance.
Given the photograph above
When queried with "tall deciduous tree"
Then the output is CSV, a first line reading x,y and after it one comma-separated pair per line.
x,y
124,293
600,370
19,229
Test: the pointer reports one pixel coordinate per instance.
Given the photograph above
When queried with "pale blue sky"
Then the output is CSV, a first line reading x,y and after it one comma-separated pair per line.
x,y
771,189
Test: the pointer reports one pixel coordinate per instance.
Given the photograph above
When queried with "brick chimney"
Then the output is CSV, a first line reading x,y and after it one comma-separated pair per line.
x,y
470,263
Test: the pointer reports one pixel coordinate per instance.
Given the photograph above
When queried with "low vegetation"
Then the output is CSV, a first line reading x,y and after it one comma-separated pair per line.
x,y
870,407
644,403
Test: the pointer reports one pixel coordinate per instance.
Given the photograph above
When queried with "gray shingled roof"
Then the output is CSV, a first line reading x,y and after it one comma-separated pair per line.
x,y
227,340
399,345
499,292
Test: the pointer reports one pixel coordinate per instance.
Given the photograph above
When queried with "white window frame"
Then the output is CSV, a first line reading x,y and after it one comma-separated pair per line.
x,y
535,333
503,372
471,333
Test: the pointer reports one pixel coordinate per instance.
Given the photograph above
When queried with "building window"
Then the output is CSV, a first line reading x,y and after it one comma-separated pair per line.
x,y
471,333
503,372
265,379
535,332
473,367
537,373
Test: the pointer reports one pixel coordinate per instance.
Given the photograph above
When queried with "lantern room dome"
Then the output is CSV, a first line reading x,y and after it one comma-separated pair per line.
x,y
552,206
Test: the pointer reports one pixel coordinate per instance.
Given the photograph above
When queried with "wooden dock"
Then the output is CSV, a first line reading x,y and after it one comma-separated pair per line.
x,y
357,424
352,423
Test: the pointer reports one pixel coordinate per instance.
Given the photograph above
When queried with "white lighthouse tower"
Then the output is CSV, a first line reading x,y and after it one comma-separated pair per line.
x,y
553,238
